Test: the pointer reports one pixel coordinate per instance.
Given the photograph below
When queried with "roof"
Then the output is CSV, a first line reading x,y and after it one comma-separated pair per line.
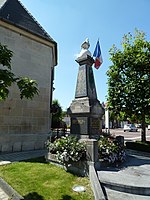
x,y
13,12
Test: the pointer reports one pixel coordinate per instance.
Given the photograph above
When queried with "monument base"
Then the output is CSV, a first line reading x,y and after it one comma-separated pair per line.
x,y
85,117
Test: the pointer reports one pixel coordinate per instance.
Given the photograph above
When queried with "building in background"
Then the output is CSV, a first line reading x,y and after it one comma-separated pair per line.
x,y
25,124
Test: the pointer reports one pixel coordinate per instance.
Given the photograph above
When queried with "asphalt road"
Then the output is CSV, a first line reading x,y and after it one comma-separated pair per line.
x,y
128,136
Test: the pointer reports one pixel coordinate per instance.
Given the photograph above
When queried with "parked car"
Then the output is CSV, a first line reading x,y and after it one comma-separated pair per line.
x,y
148,127
129,127
139,125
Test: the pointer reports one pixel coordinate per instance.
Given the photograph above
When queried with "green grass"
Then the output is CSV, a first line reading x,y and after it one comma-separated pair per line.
x,y
36,180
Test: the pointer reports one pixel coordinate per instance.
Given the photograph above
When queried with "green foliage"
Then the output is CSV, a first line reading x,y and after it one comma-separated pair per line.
x,y
5,56
147,119
6,79
57,114
67,149
27,87
129,77
139,146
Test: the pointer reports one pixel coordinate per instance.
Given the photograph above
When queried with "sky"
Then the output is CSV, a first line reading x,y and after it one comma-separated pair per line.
x,y
70,22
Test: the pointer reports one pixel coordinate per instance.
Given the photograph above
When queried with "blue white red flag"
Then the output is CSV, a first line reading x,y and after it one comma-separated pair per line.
x,y
98,56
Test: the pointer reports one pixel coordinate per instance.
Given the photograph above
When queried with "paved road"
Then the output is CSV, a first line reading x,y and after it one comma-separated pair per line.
x,y
130,135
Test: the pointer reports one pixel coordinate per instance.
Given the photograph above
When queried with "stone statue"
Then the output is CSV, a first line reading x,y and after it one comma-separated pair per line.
x,y
84,50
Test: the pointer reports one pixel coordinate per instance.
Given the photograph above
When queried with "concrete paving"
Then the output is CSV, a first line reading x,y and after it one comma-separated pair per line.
x,y
3,195
129,181
18,156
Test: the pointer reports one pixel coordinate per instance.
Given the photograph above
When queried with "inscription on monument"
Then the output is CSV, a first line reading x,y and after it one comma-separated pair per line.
x,y
95,125
79,125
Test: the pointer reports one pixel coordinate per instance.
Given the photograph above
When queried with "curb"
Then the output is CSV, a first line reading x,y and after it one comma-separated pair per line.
x,y
10,191
96,186
145,191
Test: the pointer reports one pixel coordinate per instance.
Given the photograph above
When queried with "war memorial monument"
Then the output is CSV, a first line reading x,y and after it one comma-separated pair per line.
x,y
85,110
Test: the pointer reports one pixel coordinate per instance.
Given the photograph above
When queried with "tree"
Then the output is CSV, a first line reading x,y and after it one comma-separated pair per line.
x,y
57,114
147,119
27,87
129,78
116,118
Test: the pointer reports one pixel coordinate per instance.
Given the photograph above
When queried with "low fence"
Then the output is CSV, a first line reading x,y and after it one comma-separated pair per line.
x,y
58,133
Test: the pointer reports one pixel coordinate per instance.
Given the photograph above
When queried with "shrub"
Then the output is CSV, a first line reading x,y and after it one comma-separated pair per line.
x,y
111,150
67,149
139,146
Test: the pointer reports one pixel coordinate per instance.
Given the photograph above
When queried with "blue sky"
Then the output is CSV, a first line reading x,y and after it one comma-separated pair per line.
x,y
69,22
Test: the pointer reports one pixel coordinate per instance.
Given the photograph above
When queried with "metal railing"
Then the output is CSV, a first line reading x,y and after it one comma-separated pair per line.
x,y
58,133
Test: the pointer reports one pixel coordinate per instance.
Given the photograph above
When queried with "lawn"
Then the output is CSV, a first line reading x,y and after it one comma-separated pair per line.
x,y
38,180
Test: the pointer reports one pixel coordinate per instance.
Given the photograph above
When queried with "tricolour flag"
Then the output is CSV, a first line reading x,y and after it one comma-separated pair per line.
x,y
98,56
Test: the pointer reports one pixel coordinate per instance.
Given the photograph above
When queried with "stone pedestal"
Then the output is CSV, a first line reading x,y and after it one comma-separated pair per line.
x,y
85,110
92,153
92,149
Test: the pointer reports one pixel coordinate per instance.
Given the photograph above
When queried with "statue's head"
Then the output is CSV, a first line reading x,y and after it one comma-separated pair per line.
x,y
85,44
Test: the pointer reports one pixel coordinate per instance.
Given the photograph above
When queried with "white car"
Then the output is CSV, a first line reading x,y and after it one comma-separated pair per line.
x,y
130,127
148,127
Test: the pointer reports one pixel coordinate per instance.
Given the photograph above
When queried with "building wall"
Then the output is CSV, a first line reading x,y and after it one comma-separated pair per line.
x,y
24,124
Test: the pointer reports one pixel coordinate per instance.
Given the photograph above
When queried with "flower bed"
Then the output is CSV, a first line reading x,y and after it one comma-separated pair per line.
x,y
70,153
111,151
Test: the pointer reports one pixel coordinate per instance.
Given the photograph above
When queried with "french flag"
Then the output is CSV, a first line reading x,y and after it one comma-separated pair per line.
x,y
98,56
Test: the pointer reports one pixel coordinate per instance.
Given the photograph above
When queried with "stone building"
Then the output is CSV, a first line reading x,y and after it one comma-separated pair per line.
x,y
25,124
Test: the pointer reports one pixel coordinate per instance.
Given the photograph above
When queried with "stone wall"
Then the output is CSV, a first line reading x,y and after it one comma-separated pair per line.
x,y
24,124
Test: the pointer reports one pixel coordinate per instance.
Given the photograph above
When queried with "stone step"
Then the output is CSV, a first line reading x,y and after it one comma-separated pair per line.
x,y
130,181
116,195
127,188
132,177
